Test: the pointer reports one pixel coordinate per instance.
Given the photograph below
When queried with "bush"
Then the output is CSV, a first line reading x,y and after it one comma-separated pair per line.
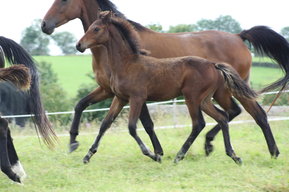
x,y
53,95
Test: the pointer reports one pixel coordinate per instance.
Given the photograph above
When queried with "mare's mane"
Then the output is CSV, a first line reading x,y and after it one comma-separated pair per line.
x,y
107,5
128,32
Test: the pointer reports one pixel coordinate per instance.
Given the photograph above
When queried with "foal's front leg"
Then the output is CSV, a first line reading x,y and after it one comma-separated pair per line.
x,y
114,110
134,113
4,160
99,94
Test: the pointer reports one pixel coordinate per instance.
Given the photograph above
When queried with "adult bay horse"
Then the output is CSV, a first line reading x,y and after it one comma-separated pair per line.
x,y
24,76
215,46
136,78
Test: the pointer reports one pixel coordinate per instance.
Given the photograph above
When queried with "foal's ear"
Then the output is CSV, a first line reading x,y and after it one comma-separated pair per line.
x,y
105,16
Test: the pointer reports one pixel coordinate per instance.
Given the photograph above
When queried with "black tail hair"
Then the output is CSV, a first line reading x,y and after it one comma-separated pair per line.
x,y
16,54
268,42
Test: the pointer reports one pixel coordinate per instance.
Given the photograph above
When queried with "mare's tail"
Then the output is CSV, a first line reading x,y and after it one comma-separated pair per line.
x,y
15,54
236,85
268,42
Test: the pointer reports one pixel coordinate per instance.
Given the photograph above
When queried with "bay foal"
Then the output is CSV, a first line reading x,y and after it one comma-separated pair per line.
x,y
136,78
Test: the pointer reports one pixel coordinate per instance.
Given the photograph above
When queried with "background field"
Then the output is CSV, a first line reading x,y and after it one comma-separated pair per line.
x,y
72,72
119,166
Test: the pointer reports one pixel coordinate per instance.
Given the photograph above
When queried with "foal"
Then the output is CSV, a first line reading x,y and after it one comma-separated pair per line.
x,y
136,78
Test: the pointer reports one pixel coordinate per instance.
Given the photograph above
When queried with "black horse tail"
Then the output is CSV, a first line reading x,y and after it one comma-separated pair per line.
x,y
15,54
268,42
236,85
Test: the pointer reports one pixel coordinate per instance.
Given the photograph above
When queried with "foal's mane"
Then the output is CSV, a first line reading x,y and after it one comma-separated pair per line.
x,y
128,32
107,5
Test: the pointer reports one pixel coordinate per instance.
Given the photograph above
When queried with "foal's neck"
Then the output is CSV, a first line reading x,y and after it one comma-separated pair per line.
x,y
120,54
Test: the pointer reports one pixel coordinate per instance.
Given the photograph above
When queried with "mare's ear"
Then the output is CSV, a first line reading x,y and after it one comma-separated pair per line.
x,y
105,16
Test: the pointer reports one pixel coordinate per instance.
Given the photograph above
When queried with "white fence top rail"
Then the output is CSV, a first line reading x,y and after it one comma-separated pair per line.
x,y
106,109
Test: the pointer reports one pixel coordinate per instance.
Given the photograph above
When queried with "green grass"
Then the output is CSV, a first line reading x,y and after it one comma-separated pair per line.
x,y
262,76
119,166
72,72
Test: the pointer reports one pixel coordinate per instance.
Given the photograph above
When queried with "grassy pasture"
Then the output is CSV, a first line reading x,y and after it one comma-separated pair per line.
x,y
72,70
119,166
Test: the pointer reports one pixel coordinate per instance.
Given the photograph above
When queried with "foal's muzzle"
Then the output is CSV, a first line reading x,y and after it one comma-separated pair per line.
x,y
80,48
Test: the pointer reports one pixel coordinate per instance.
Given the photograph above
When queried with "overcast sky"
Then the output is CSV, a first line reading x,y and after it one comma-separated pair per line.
x,y
16,15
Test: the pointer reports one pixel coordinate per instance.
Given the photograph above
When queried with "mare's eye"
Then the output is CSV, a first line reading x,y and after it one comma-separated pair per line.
x,y
96,29
64,0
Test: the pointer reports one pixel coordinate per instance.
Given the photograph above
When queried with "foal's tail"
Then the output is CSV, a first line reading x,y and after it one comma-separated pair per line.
x,y
268,42
234,82
15,54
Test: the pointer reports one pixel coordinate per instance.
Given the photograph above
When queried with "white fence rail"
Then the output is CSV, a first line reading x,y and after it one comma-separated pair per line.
x,y
174,101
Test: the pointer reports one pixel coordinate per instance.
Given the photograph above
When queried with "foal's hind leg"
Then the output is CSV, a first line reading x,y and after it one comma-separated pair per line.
x,y
149,127
13,158
260,116
222,118
134,113
114,110
233,110
4,159
95,96
198,125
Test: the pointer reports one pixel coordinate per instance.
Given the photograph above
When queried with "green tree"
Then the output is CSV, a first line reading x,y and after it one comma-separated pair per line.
x,y
222,23
285,32
53,95
182,28
155,27
34,41
66,42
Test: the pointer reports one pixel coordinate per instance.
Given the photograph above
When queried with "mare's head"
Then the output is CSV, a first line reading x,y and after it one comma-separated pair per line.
x,y
63,11
110,27
60,13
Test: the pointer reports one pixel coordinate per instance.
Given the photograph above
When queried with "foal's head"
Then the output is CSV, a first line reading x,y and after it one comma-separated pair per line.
x,y
109,27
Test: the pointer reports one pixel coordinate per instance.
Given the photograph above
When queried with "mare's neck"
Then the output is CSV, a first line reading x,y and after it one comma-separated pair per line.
x,y
120,55
90,12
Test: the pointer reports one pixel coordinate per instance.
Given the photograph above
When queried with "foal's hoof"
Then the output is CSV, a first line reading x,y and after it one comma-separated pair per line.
x,y
275,154
86,159
209,148
158,158
178,158
238,160
73,146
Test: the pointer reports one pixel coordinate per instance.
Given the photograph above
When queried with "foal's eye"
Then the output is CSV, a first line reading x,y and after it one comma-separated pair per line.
x,y
96,29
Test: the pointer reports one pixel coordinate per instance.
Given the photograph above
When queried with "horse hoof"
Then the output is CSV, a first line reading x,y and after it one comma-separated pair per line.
x,y
158,158
179,158
86,160
238,160
209,148
19,171
275,154
73,146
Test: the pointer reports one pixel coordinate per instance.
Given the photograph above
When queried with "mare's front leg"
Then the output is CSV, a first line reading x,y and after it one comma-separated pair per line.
x,y
134,113
4,159
114,110
99,94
